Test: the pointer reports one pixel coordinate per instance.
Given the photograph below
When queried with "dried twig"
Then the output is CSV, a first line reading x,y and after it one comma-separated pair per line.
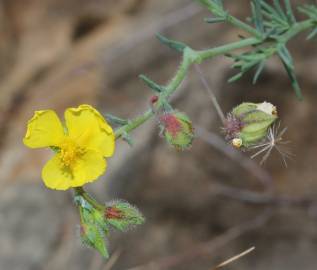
x,y
113,259
233,259
210,93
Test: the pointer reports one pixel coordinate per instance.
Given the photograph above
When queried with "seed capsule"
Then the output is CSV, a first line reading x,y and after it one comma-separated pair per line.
x,y
248,123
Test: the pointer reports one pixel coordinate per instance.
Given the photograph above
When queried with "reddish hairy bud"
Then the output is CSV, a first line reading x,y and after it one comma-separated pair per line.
x,y
171,124
113,213
177,129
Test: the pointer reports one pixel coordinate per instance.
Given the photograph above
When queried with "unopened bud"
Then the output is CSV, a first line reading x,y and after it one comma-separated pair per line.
x,y
113,213
122,215
177,129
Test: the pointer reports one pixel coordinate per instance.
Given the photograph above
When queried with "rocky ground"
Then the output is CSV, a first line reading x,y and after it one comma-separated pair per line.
x,y
56,54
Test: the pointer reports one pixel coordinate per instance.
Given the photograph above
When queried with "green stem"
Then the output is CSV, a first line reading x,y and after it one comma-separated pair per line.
x,y
133,124
190,57
296,29
244,26
219,12
206,54
79,191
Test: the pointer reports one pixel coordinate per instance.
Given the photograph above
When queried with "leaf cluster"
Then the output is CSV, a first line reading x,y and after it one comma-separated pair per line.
x,y
273,23
311,12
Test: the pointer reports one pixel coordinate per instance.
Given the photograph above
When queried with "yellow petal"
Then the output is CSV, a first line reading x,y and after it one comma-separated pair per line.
x,y
55,175
85,169
89,167
90,130
43,130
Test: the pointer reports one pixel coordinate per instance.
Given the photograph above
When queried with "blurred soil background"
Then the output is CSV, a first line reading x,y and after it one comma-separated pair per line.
x,y
202,206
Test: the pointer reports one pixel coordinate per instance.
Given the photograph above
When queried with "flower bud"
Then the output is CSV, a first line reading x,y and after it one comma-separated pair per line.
x,y
113,212
122,215
92,236
248,123
177,129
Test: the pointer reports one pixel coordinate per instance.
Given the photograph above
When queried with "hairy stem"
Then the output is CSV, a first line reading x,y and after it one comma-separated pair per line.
x,y
79,191
133,124
191,57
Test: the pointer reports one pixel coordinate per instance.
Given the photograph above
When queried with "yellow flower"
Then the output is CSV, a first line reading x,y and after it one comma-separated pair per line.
x,y
81,147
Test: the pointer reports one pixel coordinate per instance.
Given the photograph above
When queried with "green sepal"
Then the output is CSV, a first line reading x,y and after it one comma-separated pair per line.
x,y
257,121
243,108
94,238
55,149
256,127
93,230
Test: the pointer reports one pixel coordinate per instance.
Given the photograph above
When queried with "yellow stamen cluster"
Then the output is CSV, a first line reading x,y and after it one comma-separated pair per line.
x,y
70,152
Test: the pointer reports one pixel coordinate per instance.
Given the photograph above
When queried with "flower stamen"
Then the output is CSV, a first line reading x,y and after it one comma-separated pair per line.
x,y
70,152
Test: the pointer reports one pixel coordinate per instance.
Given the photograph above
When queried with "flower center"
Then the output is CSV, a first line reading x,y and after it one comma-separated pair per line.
x,y
70,152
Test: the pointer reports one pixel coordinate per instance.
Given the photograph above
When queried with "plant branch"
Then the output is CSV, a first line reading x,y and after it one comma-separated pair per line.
x,y
191,57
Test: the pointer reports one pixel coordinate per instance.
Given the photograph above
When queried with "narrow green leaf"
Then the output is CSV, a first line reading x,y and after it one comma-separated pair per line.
x,y
294,82
289,12
247,66
309,10
279,9
312,34
116,120
178,46
257,15
269,9
215,20
286,56
235,77
289,67
258,72
153,85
